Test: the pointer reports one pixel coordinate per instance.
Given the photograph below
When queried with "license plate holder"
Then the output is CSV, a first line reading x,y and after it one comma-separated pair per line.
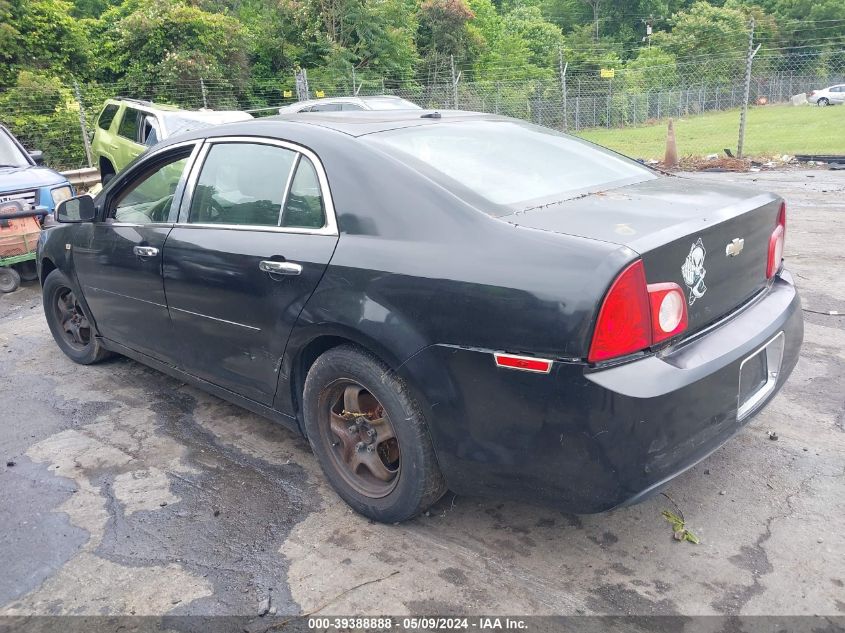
x,y
758,375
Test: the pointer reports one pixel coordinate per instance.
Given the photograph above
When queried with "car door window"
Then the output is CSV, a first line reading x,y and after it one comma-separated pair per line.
x,y
243,184
304,205
149,197
129,125
347,107
107,116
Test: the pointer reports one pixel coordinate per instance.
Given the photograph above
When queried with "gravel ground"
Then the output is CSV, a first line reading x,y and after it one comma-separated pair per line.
x,y
123,491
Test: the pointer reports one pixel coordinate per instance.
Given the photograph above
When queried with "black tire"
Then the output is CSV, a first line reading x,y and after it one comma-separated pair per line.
x,y
823,102
10,280
79,344
418,480
27,271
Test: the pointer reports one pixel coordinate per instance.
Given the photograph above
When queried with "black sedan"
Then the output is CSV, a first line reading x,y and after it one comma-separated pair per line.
x,y
438,299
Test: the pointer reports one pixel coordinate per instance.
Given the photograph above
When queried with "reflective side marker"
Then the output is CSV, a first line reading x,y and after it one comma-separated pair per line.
x,y
524,363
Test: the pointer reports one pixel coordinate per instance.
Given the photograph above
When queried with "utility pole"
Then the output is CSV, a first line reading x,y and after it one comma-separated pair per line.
x,y
563,68
744,114
86,143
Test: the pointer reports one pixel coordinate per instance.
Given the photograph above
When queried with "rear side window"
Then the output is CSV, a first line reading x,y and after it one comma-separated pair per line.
x,y
242,183
107,116
128,127
327,107
509,165
304,205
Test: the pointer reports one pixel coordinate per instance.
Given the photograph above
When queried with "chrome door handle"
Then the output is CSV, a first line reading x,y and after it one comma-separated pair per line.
x,y
279,268
145,251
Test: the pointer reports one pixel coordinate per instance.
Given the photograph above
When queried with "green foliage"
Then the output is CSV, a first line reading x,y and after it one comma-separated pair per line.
x,y
42,113
153,42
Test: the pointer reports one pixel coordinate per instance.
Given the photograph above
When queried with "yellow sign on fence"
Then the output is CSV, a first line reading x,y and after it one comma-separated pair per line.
x,y
287,94
319,94
607,73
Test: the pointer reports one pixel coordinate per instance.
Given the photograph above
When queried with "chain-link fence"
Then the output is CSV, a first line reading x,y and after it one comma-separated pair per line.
x,y
56,117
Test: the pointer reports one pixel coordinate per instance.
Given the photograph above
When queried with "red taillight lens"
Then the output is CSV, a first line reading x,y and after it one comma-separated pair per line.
x,y
668,311
776,243
635,316
623,325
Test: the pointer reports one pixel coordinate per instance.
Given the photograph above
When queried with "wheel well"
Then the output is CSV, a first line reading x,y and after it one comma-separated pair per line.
x,y
303,362
47,266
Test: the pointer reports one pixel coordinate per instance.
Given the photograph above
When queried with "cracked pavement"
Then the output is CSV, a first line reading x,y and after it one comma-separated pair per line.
x,y
131,493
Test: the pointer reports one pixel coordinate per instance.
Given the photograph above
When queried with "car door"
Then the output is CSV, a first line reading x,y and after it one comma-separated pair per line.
x,y
252,242
837,94
118,258
127,146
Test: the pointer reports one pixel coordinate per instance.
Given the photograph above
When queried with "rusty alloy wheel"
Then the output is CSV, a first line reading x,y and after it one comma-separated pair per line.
x,y
364,447
74,324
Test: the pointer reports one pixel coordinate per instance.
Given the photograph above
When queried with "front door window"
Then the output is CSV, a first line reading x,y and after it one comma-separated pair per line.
x,y
149,198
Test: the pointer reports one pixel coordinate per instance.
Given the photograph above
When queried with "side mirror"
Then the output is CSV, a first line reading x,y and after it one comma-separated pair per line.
x,y
38,156
77,209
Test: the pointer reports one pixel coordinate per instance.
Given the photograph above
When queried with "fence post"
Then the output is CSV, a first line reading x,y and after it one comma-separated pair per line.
x,y
563,68
747,93
578,107
498,95
204,94
82,124
455,80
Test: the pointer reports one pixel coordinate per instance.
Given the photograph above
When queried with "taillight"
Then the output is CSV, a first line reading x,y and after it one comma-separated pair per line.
x,y
776,242
635,315
668,311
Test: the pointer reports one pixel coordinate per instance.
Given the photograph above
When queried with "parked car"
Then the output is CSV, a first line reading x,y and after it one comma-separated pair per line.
x,y
350,104
127,127
439,299
23,176
834,95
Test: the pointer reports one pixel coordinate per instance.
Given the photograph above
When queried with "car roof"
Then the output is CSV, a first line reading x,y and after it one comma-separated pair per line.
x,y
371,121
297,127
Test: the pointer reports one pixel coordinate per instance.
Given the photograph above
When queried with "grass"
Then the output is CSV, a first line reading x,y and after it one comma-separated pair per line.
x,y
771,131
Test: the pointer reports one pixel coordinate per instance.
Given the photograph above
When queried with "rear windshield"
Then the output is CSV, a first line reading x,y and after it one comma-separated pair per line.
x,y
508,164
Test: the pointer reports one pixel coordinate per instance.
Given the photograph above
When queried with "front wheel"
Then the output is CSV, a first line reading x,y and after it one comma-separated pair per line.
x,y
823,102
370,436
68,322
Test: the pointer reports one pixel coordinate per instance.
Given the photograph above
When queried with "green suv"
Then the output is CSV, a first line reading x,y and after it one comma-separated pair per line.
x,y
127,127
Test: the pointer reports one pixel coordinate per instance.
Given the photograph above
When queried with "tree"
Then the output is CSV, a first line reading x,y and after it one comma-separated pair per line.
x,y
542,38
595,5
152,43
442,27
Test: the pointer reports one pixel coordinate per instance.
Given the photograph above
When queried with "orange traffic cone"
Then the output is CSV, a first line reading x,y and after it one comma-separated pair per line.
x,y
671,157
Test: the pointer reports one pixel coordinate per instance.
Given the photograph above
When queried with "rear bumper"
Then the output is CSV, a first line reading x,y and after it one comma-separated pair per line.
x,y
589,440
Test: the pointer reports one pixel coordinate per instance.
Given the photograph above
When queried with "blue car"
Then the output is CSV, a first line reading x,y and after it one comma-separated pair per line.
x,y
23,178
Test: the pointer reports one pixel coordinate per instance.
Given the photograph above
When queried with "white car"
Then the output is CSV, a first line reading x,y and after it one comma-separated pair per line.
x,y
829,96
347,104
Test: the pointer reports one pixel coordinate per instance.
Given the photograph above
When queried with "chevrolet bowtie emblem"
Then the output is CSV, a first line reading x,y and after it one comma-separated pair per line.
x,y
734,247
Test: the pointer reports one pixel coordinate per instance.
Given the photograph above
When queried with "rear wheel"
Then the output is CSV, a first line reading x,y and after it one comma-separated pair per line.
x,y
10,280
823,102
370,436
68,322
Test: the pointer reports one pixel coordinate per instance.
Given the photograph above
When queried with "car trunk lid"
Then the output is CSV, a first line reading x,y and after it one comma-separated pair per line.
x,y
710,239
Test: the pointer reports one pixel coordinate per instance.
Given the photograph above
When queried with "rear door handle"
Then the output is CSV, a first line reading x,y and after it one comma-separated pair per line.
x,y
279,268
145,251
